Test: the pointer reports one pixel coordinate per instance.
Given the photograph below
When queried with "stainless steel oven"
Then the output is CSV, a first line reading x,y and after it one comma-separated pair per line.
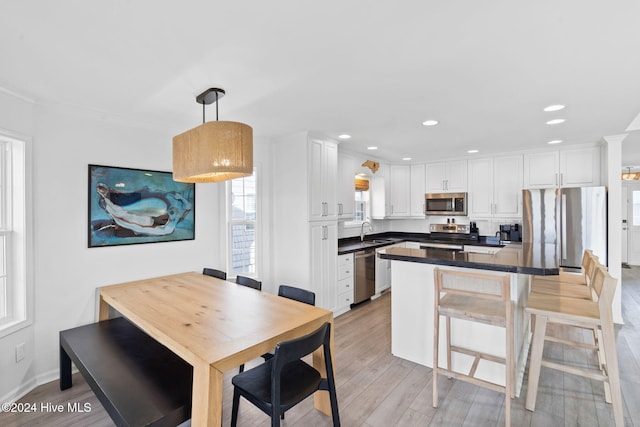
x,y
445,204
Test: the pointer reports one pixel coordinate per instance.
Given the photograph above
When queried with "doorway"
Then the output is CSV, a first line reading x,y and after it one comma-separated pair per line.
x,y
631,238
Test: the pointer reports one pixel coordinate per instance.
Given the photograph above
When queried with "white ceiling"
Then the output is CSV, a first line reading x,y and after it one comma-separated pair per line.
x,y
375,70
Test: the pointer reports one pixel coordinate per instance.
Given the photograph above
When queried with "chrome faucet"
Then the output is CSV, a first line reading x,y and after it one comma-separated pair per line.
x,y
362,230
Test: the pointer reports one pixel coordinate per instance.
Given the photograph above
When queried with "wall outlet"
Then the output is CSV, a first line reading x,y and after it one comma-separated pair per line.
x,y
19,352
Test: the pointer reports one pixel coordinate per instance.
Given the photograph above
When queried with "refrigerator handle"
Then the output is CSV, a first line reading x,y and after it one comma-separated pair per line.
x,y
563,224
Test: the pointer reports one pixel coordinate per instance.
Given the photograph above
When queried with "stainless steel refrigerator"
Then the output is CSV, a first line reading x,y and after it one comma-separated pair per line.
x,y
562,222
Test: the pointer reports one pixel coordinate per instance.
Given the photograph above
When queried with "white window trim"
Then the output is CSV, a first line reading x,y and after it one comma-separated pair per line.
x,y
257,222
19,253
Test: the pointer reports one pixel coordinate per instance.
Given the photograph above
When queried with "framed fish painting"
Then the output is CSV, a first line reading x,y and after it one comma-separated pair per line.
x,y
133,206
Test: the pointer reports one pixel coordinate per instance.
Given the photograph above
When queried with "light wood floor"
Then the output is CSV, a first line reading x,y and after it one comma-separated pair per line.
x,y
378,389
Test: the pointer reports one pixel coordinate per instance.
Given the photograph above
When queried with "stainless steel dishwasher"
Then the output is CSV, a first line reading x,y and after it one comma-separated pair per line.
x,y
365,275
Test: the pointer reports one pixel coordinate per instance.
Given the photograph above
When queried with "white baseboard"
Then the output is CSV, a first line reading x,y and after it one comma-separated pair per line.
x,y
30,384
19,391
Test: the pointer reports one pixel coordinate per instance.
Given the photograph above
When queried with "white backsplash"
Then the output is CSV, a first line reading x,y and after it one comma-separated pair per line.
x,y
485,227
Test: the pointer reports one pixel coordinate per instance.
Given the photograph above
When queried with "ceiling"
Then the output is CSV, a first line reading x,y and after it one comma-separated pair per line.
x,y
374,70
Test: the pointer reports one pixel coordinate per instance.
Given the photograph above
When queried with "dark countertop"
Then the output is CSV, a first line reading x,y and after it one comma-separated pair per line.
x,y
513,258
374,241
346,246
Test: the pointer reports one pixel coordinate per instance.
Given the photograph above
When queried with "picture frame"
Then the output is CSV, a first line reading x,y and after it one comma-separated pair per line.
x,y
135,206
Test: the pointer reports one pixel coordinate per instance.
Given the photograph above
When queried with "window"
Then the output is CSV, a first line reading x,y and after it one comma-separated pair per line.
x,y
5,232
13,286
242,217
361,206
361,203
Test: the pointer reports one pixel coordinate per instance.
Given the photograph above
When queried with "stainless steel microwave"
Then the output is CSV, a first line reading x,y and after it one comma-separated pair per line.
x,y
445,204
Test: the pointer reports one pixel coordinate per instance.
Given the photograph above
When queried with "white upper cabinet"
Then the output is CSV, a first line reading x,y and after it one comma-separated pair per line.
x,y
323,169
507,186
447,177
379,193
399,193
541,170
346,187
480,188
399,181
567,168
417,190
580,168
378,197
495,187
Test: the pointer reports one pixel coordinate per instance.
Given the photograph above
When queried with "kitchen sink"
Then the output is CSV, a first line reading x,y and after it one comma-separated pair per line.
x,y
375,241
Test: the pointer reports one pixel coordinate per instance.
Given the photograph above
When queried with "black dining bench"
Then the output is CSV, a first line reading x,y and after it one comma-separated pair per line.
x,y
138,380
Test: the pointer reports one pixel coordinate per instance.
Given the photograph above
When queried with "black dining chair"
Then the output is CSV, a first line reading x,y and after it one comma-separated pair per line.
x,y
215,273
248,281
284,381
251,283
297,294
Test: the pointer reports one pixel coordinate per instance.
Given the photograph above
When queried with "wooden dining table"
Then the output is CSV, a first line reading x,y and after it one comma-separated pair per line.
x,y
215,326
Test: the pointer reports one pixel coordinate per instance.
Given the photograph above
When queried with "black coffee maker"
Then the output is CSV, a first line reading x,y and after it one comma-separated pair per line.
x,y
510,233
473,231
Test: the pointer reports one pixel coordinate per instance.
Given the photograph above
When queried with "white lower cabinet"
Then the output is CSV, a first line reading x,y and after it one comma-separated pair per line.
x,y
383,267
345,284
383,273
324,247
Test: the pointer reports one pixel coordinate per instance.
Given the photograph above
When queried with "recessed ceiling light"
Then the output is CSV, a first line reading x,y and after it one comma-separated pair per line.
x,y
472,151
344,136
555,141
430,122
555,107
555,121
406,158
372,148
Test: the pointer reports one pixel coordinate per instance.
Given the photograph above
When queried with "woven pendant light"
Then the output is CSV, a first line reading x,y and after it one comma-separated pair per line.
x,y
214,151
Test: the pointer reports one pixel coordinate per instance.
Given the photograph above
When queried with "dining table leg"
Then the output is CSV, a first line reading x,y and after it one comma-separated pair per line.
x,y
206,405
104,310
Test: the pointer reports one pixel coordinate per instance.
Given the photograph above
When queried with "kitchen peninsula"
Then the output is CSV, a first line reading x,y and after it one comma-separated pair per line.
x,y
412,303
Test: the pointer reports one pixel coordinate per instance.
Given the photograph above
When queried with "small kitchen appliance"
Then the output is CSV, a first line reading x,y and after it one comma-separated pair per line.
x,y
510,233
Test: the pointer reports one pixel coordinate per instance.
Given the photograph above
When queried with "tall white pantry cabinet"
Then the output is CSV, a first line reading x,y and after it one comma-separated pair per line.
x,y
305,222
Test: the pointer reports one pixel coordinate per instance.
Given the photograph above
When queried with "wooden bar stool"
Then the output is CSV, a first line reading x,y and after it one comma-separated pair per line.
x,y
573,285
586,314
483,298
